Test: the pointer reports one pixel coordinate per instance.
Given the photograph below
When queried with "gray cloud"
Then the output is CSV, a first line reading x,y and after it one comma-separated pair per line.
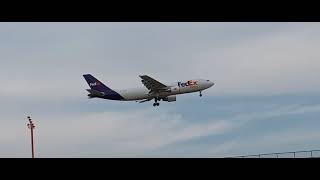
x,y
242,58
145,133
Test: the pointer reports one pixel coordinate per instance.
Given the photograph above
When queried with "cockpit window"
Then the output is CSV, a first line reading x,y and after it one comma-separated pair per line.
x,y
208,80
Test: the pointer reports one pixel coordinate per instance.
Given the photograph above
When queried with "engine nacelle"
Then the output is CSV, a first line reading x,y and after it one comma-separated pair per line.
x,y
170,98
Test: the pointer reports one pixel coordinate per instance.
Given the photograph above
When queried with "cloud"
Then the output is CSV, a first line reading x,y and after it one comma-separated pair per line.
x,y
285,61
242,58
274,142
288,139
130,133
147,133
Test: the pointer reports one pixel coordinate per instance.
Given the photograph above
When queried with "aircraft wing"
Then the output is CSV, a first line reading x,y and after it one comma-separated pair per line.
x,y
152,84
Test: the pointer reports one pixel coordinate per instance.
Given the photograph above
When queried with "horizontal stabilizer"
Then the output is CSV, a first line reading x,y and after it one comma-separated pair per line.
x,y
95,93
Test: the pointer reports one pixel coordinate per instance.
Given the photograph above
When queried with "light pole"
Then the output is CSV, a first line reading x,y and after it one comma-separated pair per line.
x,y
31,127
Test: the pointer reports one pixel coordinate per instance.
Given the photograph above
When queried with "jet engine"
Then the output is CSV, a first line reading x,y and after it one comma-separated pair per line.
x,y
170,98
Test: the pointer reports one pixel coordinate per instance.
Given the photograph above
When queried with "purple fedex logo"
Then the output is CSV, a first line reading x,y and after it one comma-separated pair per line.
x,y
95,83
188,83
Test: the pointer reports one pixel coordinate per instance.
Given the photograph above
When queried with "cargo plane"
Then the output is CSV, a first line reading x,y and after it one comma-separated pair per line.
x,y
153,90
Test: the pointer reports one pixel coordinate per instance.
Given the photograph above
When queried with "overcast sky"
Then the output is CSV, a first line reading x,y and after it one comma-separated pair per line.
x,y
265,99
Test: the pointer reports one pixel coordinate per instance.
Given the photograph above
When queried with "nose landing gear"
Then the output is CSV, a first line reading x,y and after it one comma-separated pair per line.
x,y
200,94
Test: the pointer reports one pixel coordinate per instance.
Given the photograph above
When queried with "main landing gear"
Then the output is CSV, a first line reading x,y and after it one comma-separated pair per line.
x,y
200,94
155,102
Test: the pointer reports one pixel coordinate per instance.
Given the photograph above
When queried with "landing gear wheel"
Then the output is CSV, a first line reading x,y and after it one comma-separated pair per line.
x,y
200,94
155,102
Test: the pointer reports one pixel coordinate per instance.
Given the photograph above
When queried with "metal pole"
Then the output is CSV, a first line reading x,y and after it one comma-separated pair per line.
x,y
32,146
31,127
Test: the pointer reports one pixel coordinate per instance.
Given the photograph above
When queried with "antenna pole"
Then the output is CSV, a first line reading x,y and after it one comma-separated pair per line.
x,y
31,127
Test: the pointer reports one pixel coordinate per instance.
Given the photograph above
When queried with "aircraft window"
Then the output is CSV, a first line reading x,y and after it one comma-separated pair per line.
x,y
207,80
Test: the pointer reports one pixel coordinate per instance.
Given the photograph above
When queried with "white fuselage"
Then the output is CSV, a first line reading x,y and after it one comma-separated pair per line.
x,y
175,88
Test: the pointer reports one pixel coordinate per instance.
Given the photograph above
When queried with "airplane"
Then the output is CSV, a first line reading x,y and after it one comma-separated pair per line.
x,y
153,90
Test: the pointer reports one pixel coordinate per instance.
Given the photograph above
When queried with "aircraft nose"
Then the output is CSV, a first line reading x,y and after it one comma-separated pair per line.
x,y
209,83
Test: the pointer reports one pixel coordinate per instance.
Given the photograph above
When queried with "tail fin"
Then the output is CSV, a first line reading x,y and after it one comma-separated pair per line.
x,y
95,84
